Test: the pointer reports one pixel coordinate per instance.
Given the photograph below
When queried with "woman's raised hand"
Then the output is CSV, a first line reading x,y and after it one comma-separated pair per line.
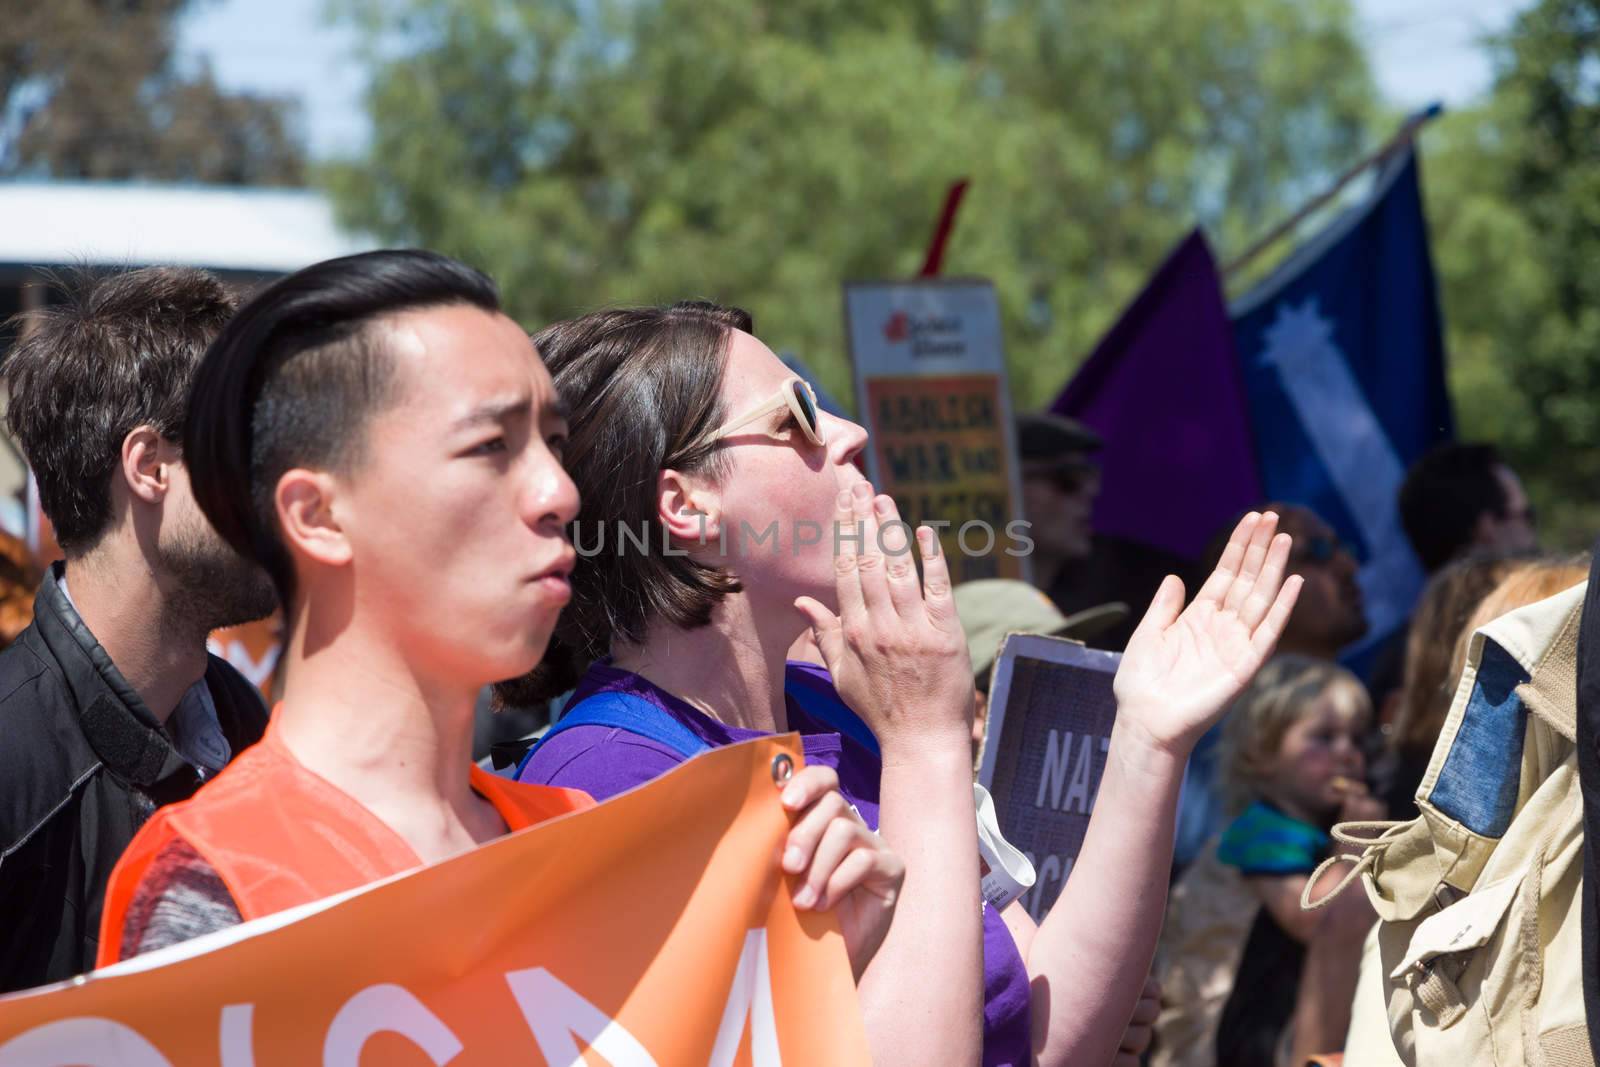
x,y
1183,666
895,648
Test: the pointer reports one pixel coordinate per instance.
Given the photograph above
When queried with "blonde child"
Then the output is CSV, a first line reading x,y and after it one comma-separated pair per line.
x,y
1236,934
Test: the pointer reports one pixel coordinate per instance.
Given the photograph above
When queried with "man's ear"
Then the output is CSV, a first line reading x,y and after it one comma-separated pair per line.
x,y
146,463
304,502
690,510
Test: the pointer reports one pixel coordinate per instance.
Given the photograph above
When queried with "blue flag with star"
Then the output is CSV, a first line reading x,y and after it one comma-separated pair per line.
x,y
1343,361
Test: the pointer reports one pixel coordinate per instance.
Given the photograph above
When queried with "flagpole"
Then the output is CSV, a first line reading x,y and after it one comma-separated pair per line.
x,y
941,231
1402,137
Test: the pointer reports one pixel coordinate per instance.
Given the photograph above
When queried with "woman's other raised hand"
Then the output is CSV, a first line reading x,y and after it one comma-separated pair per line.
x,y
1183,666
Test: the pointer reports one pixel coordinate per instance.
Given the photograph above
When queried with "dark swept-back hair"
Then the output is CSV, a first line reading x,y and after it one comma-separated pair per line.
x,y
1444,494
119,353
643,387
293,379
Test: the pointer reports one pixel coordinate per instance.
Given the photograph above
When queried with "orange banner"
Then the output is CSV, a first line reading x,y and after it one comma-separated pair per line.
x,y
254,649
653,929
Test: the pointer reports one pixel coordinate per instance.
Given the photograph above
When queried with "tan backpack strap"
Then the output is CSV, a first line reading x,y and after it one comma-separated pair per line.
x,y
1371,837
1359,863
1567,1046
1371,834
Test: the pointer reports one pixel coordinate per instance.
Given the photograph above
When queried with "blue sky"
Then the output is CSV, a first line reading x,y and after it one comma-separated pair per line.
x,y
1421,50
284,47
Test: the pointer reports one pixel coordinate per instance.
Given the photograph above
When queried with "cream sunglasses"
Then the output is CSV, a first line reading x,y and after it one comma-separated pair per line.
x,y
796,394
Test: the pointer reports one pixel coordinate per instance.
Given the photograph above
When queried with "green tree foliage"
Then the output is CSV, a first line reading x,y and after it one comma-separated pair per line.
x,y
90,89
1514,202
762,151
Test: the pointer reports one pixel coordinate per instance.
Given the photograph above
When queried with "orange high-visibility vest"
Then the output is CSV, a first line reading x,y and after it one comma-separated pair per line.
x,y
279,835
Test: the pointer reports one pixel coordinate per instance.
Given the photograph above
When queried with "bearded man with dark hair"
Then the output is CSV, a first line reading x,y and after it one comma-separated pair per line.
x,y
110,705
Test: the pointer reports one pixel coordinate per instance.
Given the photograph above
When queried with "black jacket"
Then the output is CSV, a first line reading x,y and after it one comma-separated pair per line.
x,y
82,765
1589,778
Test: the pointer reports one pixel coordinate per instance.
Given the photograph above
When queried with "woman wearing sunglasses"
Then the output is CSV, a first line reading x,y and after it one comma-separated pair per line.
x,y
686,426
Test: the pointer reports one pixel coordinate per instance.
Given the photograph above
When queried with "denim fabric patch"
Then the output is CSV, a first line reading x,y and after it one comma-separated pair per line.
x,y
1478,783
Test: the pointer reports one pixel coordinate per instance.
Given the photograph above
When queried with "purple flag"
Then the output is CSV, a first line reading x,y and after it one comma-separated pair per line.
x,y
1164,390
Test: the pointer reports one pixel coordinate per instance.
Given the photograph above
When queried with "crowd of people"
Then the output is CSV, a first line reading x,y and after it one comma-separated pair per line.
x,y
372,446
1307,745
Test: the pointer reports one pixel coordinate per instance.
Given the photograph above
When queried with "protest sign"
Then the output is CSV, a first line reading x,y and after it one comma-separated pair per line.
x,y
931,384
1050,715
653,929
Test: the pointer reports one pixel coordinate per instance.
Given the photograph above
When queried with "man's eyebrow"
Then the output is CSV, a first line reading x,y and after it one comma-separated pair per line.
x,y
495,411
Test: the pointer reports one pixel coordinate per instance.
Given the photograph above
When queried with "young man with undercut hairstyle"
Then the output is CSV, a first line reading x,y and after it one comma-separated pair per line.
x,y
110,705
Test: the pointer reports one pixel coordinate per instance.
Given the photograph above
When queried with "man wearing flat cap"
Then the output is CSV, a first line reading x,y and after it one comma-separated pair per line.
x,y
1059,483
1074,566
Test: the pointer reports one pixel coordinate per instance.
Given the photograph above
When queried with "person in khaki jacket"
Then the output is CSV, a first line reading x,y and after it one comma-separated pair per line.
x,y
1476,958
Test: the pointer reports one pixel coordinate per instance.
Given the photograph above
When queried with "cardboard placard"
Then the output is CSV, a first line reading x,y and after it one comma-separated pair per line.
x,y
931,386
1050,715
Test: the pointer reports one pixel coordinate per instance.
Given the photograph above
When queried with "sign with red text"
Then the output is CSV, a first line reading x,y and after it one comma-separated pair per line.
x,y
931,386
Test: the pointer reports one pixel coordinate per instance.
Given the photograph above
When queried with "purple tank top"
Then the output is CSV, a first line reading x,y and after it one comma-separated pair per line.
x,y
604,761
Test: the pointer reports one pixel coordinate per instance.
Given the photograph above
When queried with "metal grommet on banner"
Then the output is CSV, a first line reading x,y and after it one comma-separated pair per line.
x,y
782,769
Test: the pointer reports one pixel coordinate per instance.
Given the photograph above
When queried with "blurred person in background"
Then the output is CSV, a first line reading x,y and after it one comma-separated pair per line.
x,y
1527,581
1234,943
1460,499
111,704
1457,500
1430,674
1059,484
1079,569
1328,617
19,583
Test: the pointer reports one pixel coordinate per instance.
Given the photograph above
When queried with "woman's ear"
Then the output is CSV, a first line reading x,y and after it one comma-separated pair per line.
x,y
690,510
304,502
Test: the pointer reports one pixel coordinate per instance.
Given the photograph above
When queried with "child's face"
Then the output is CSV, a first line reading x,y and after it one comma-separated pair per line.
x,y
1318,751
